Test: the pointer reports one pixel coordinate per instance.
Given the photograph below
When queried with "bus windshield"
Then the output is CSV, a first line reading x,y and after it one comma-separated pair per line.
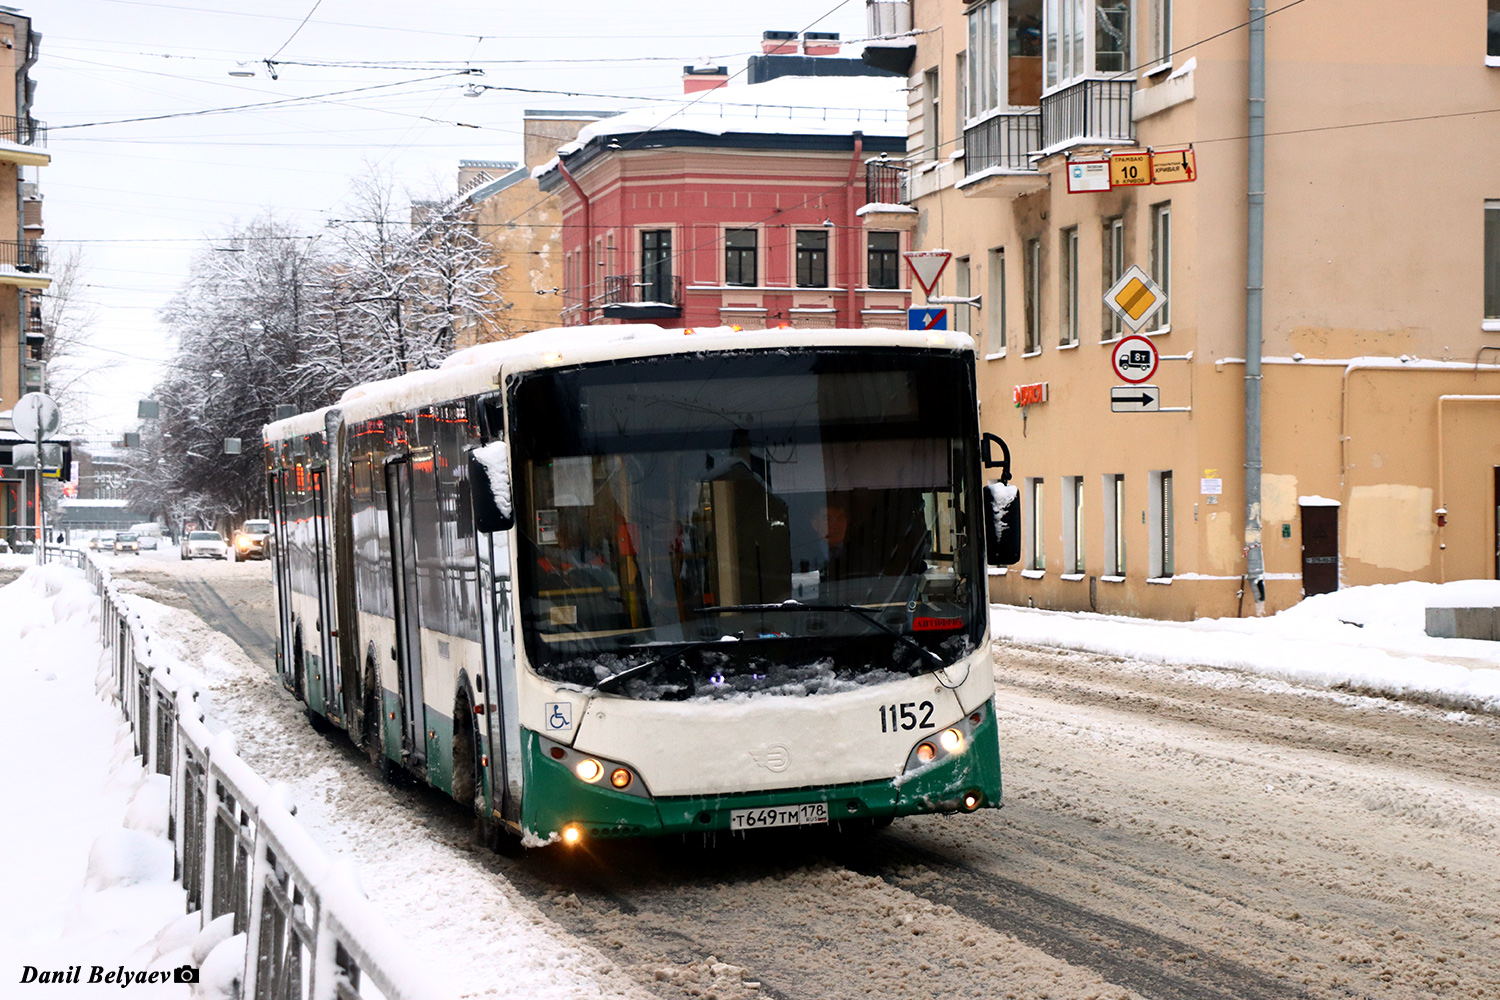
x,y
789,522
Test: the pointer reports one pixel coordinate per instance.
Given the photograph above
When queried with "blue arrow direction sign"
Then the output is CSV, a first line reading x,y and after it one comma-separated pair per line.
x,y
926,318
1134,399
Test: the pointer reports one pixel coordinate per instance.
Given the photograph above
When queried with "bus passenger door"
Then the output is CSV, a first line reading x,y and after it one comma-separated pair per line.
x,y
501,727
323,681
404,590
276,496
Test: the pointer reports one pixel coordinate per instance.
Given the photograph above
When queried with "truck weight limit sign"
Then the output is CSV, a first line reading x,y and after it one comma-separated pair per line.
x,y
1135,359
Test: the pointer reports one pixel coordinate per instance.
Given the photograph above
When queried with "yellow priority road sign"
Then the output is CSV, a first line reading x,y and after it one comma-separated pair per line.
x,y
1135,298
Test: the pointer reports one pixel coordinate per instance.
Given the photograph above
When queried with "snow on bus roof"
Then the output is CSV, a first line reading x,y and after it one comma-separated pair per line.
x,y
477,369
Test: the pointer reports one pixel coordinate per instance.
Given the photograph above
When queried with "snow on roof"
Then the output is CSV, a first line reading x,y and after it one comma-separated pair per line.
x,y
788,105
480,369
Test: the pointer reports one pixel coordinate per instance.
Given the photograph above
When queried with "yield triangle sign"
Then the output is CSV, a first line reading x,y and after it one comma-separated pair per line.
x,y
928,266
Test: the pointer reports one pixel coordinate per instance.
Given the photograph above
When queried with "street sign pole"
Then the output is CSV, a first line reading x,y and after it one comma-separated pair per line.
x,y
36,416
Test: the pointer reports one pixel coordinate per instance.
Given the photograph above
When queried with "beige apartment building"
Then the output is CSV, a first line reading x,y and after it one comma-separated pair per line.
x,y
23,266
1380,299
524,225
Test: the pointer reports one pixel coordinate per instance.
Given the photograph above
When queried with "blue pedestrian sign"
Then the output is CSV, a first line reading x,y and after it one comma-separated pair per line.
x,y
927,318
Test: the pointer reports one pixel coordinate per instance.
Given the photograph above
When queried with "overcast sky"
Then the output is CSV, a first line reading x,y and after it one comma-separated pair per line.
x,y
141,197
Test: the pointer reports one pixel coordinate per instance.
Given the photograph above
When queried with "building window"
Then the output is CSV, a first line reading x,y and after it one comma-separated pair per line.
x,y
883,260
995,299
740,246
962,98
1494,34
1073,524
1086,37
1492,256
1161,30
1114,525
963,315
1159,520
1114,267
930,132
1067,298
1004,56
656,265
984,59
1033,296
1036,535
812,258
1161,262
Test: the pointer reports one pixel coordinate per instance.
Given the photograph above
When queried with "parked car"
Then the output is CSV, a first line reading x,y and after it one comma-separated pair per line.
x,y
209,544
251,540
127,541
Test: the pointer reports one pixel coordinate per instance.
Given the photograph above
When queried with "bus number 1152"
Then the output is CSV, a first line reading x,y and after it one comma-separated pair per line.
x,y
891,720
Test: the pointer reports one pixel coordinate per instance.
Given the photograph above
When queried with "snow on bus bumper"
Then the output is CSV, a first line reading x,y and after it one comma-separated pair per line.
x,y
557,800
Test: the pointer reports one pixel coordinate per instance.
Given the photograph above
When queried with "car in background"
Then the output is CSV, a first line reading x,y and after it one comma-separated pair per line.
x,y
127,541
205,544
149,533
104,541
251,540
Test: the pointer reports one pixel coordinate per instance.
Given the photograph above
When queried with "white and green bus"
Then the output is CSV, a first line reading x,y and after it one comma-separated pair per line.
x,y
628,581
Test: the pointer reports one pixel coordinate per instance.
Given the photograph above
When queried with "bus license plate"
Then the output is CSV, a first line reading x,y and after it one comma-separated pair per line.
x,y
806,814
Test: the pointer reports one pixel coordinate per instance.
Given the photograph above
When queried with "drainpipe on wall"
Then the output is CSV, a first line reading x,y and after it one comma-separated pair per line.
x,y
1255,563
588,239
851,244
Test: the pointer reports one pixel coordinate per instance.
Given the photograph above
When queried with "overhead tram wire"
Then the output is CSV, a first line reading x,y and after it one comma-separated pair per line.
x,y
282,102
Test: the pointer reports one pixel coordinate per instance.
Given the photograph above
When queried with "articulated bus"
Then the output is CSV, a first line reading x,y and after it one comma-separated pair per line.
x,y
628,581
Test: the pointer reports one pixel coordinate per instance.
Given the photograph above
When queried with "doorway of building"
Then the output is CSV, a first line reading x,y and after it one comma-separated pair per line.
x,y
1497,522
1320,549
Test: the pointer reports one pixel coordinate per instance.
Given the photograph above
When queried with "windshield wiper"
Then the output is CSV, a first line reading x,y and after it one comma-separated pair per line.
x,y
853,609
614,680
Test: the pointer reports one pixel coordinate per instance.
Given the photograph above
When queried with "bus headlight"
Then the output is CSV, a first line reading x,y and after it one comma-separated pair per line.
x,y
950,742
572,834
596,770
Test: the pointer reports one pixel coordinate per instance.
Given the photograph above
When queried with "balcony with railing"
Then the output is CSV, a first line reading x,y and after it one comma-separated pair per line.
x,y
634,296
23,264
1090,112
1003,142
22,141
887,183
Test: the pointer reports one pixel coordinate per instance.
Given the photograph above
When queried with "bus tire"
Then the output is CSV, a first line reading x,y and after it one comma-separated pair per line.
x,y
372,736
468,773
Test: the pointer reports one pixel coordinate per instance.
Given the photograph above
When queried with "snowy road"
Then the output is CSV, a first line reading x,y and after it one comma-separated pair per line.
x,y
1169,833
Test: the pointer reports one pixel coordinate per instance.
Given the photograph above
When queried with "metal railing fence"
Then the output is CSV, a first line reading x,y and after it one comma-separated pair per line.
x,y
1005,141
312,935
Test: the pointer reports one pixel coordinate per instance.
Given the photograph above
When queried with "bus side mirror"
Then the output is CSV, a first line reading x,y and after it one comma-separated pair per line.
x,y
492,505
1002,524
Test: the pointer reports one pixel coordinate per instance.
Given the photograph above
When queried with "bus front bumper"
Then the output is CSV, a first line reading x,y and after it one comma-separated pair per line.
x,y
557,802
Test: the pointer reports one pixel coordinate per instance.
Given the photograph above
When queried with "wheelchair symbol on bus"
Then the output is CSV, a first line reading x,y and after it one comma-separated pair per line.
x,y
559,715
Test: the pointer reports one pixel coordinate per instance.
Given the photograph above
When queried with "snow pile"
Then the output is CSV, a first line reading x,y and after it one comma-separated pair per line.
x,y
90,875
1368,639
496,462
791,105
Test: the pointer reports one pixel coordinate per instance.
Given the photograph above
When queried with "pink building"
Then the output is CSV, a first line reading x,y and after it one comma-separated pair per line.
x,y
754,205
